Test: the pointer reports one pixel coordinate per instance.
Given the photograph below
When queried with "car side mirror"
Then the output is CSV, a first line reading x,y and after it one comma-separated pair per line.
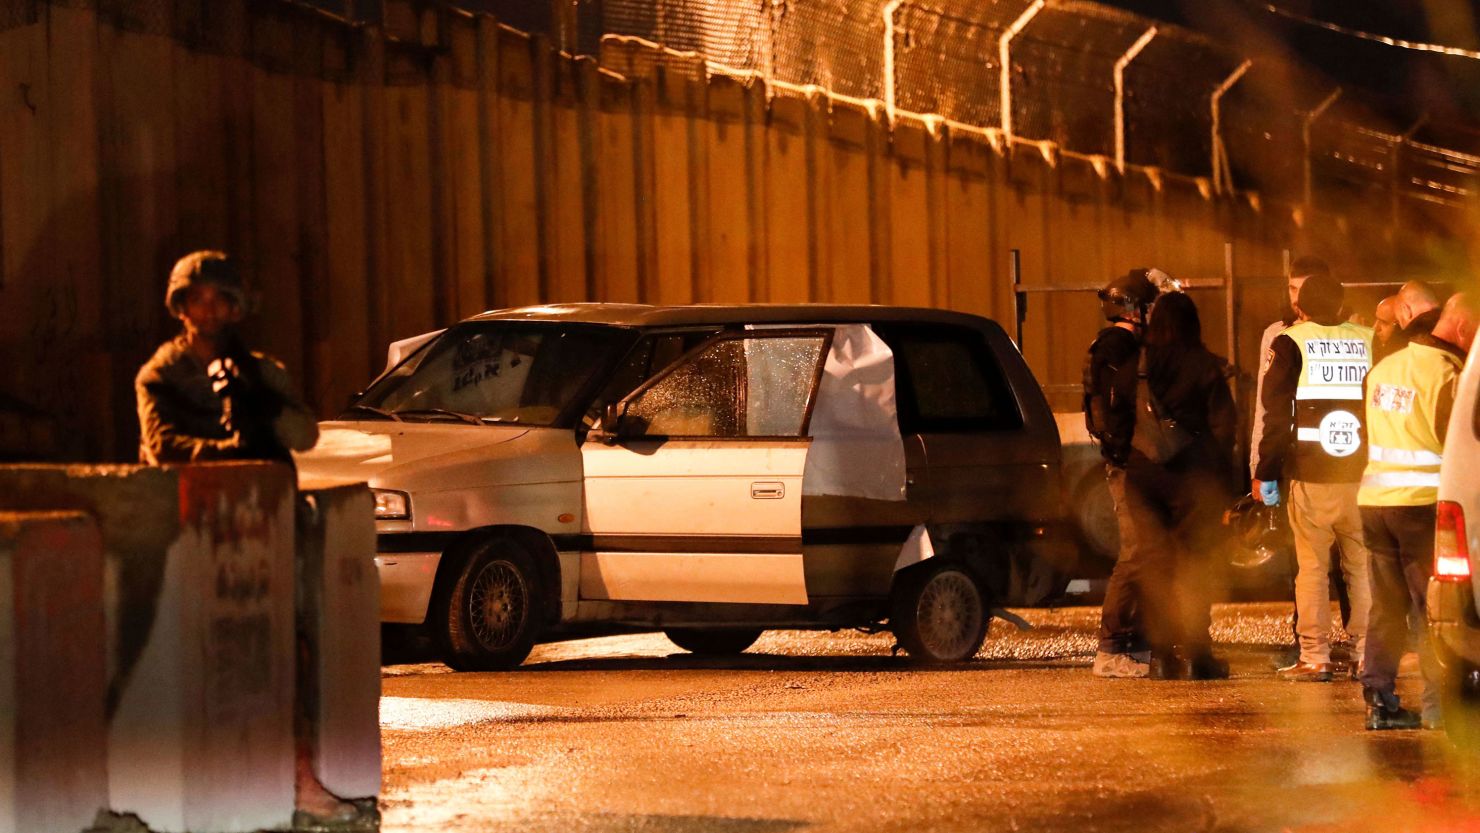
x,y
611,423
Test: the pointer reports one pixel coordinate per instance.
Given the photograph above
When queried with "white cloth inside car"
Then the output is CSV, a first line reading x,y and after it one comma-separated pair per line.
x,y
399,350
856,448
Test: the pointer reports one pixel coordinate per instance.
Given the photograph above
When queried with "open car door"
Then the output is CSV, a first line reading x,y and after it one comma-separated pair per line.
x,y
693,484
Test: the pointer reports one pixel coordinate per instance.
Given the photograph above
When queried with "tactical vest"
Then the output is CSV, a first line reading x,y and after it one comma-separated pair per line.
x,y
1404,446
1334,361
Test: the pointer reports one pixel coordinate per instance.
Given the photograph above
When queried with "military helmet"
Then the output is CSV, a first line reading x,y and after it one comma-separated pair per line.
x,y
1128,294
1258,532
202,267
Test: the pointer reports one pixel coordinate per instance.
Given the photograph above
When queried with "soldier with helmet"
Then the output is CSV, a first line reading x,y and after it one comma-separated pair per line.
x,y
203,395
1165,503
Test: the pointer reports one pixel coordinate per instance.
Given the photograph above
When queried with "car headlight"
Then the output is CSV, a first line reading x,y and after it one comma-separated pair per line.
x,y
391,505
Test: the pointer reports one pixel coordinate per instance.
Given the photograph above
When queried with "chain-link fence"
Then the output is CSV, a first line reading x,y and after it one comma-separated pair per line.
x,y
1090,78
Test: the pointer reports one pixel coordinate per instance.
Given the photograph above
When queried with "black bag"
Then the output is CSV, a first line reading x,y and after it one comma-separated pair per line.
x,y
1157,436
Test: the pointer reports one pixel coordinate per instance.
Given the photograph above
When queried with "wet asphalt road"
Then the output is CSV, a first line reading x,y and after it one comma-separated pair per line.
x,y
827,732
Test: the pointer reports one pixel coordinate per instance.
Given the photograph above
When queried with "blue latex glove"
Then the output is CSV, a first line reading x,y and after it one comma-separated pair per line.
x,y
1269,492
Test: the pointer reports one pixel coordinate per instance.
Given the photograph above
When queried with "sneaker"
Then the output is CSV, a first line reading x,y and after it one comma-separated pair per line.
x,y
1207,667
1122,666
1306,672
1381,718
1432,719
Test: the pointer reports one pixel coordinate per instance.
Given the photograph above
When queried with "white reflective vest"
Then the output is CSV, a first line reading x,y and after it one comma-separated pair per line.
x,y
1334,361
1404,445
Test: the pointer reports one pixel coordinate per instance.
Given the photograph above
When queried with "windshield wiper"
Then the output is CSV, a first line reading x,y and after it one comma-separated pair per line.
x,y
370,409
468,418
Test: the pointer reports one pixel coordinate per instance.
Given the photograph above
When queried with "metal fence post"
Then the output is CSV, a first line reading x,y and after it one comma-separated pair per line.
x,y
1230,303
889,10
1004,50
1305,130
1222,179
1019,298
1120,65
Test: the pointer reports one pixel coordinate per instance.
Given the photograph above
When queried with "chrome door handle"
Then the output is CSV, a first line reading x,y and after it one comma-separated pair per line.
x,y
768,490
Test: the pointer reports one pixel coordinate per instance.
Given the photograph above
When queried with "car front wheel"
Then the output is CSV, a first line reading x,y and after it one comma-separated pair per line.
x,y
489,613
938,613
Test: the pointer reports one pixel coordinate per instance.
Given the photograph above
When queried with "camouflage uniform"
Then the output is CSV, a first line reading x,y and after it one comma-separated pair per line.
x,y
246,412
183,420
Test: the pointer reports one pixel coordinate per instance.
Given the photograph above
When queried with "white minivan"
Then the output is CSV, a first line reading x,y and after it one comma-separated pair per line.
x,y
711,471
1454,626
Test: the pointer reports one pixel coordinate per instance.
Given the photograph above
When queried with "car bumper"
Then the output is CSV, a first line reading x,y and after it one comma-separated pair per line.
x,y
1454,627
406,580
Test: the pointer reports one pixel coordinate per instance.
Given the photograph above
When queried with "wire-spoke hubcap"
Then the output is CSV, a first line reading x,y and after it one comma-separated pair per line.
x,y
497,605
950,615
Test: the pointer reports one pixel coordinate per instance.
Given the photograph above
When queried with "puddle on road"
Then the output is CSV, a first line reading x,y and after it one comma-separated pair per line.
x,y
423,713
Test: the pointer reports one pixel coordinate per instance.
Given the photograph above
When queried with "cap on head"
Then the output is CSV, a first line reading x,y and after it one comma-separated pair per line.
x,y
203,267
1308,265
1320,296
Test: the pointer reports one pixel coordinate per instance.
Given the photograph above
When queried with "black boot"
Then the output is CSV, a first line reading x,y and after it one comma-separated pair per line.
x,y
1205,666
1384,712
1166,665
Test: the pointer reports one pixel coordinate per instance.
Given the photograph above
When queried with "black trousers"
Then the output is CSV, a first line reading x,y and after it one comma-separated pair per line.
x,y
1401,542
1160,592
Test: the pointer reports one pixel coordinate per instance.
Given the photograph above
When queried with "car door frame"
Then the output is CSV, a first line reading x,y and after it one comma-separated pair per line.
x,y
633,559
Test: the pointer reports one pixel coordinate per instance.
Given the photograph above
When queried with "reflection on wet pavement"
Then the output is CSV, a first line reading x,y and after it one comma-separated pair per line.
x,y
828,731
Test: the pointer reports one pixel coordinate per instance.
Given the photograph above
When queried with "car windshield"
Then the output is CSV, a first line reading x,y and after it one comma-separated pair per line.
x,y
493,372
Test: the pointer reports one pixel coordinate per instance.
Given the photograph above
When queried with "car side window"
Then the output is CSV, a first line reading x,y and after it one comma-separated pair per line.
x,y
948,382
755,385
650,355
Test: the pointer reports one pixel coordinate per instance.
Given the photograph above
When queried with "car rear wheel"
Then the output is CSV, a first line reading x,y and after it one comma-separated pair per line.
x,y
713,640
938,613
1462,720
489,614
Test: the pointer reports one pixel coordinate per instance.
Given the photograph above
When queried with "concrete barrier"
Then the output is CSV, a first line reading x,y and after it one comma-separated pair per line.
x,y
52,682
339,616
199,606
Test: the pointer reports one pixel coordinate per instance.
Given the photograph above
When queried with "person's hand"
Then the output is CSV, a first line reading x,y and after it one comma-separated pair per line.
x,y
1268,491
223,373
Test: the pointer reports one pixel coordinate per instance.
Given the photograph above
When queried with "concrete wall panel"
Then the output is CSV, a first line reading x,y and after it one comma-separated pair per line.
x,y
674,203
615,256
199,609
846,187
788,203
910,218
380,186
339,608
972,248
356,355
411,273
53,777
272,260
729,251
521,276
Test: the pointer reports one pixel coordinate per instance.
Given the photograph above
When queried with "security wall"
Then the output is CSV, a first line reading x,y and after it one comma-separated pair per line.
x,y
383,181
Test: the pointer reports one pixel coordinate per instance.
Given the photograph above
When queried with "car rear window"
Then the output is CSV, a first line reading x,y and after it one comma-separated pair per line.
x,y
947,381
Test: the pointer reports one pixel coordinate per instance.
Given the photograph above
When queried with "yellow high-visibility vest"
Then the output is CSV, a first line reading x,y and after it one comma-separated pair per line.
x,y
1404,446
1334,360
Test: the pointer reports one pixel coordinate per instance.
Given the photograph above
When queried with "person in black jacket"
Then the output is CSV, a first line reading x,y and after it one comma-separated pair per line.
x,y
1109,384
1186,494
1168,511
